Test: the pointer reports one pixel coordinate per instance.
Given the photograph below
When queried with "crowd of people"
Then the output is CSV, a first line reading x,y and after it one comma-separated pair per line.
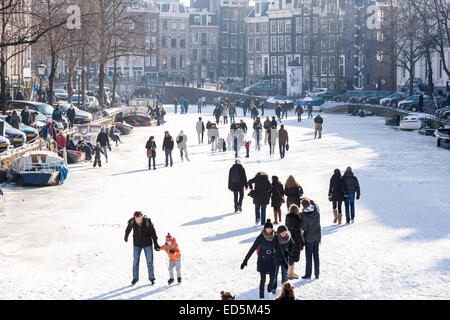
x,y
280,250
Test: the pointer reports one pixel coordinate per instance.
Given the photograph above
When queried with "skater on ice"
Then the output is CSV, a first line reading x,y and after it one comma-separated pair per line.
x,y
312,235
172,250
352,190
293,221
144,236
269,253
336,195
237,181
261,195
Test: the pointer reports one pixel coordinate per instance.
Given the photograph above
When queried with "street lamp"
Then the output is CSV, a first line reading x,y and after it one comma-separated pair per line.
x,y
41,71
79,73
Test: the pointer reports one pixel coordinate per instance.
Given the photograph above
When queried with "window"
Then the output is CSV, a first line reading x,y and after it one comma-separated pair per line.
x,y
265,44
265,28
298,44
225,43
380,36
195,38
153,61
164,24
153,41
173,26
233,43
132,25
225,27
281,66
273,27
153,25
332,43
281,43
182,26
250,28
182,43
212,39
181,61
287,43
315,24
323,26
305,44
194,55
287,26
306,28
298,25
273,65
226,15
258,66
164,42
257,28
380,56
173,43
173,62
280,26
251,67
197,19
273,44
331,8
203,43
324,65
258,44
306,66
314,65
148,25
147,42
251,44
342,66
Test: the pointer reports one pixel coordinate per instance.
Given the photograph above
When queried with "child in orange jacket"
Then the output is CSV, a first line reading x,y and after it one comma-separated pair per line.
x,y
171,247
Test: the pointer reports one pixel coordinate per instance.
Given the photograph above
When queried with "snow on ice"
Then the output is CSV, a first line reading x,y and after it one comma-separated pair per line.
x,y
67,242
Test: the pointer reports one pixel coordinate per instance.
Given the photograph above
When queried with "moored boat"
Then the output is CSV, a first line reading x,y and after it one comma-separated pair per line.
x,y
39,168
411,123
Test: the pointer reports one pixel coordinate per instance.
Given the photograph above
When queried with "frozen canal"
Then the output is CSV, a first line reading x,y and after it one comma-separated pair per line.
x,y
67,242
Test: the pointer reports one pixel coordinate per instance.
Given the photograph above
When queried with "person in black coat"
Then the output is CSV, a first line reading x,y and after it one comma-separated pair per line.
x,y
25,115
97,152
269,255
102,137
261,195
15,120
293,222
293,191
336,195
351,186
237,180
277,198
151,152
144,235
71,116
167,147
287,246
312,234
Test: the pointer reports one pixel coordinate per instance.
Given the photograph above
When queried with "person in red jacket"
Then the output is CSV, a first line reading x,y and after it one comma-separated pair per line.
x,y
61,140
171,248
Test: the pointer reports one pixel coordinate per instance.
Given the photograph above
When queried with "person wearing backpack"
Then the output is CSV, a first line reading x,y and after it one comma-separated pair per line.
x,y
237,180
144,236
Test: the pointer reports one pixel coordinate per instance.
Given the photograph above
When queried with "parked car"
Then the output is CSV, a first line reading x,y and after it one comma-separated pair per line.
x,y
61,94
357,96
344,97
446,114
375,99
261,89
16,137
412,103
4,143
30,132
440,112
316,92
393,99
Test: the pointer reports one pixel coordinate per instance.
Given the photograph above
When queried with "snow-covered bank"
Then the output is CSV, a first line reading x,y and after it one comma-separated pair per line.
x,y
67,242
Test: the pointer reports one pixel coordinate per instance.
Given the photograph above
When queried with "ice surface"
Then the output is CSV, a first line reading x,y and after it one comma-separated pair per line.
x,y
67,242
